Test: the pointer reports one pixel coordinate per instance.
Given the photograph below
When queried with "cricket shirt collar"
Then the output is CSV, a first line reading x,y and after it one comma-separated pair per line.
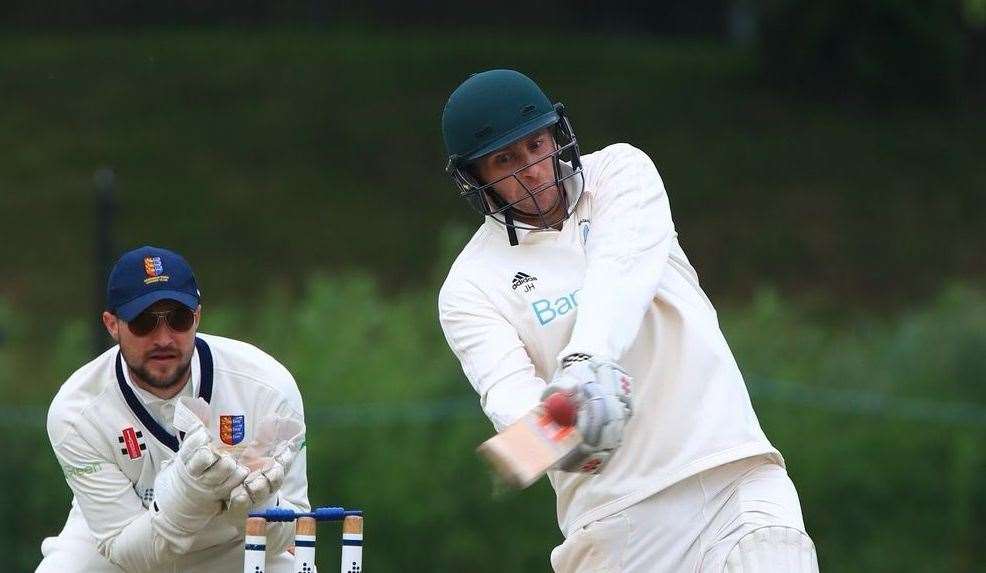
x,y
205,375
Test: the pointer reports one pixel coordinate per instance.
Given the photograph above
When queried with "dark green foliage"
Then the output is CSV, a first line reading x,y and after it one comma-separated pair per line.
x,y
266,155
270,156
886,485
878,51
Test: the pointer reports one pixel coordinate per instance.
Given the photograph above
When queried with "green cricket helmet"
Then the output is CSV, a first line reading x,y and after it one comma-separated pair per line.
x,y
490,111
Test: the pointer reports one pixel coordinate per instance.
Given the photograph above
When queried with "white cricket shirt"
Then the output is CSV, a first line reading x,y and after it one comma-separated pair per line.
x,y
111,440
614,282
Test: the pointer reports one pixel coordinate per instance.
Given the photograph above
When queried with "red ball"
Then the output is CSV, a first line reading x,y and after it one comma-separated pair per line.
x,y
561,409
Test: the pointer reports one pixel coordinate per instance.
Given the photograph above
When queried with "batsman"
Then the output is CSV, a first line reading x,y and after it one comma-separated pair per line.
x,y
576,283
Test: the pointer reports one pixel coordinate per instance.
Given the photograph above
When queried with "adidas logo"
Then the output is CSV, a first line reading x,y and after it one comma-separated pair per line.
x,y
525,280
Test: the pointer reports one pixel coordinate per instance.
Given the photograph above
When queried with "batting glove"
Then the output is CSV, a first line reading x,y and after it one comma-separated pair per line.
x,y
601,390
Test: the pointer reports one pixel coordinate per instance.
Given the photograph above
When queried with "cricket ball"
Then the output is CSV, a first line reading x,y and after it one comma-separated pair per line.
x,y
560,408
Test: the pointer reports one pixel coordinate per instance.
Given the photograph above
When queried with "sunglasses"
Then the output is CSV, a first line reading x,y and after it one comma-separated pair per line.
x,y
179,319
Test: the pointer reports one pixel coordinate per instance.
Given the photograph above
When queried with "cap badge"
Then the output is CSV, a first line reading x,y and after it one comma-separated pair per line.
x,y
154,271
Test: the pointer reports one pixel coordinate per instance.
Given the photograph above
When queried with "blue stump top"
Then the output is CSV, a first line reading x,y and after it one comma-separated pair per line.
x,y
319,513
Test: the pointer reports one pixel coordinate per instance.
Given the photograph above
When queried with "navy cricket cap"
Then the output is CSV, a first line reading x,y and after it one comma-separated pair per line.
x,y
146,275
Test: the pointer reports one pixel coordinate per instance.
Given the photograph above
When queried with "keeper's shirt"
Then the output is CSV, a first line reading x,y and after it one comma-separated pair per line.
x,y
111,439
614,283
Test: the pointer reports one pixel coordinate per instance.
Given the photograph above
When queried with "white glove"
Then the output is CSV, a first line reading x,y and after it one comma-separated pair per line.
x,y
190,489
258,487
601,391
270,455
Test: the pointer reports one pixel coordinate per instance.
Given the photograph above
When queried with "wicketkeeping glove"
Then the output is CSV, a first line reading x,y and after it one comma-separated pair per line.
x,y
270,455
261,484
601,391
189,491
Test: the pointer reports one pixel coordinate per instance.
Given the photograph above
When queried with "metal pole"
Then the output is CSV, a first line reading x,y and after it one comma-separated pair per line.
x,y
104,180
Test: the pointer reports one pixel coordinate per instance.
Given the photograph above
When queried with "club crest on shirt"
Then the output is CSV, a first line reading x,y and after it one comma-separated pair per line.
x,y
132,442
232,428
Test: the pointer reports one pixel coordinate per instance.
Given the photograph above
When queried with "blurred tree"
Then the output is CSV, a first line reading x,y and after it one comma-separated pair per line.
x,y
974,13
877,51
665,17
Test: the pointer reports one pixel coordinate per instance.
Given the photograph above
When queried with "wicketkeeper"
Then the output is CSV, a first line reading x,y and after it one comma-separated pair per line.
x,y
170,437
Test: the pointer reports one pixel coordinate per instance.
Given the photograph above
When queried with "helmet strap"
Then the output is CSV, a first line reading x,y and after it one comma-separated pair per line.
x,y
511,230
508,218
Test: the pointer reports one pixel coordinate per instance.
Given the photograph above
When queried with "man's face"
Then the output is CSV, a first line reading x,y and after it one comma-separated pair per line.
x,y
533,187
162,357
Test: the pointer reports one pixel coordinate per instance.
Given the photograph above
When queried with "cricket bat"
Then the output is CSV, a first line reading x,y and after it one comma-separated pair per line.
x,y
526,449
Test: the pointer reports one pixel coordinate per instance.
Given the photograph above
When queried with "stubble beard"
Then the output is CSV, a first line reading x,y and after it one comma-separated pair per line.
x,y
162,382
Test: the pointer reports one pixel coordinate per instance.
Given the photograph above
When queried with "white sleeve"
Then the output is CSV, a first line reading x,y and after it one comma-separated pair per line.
x,y
492,355
627,252
114,513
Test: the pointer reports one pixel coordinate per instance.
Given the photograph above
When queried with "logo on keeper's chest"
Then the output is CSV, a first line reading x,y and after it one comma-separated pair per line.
x,y
232,429
132,442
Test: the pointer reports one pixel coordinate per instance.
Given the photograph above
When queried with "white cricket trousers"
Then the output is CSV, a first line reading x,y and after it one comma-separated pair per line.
x,y
741,517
